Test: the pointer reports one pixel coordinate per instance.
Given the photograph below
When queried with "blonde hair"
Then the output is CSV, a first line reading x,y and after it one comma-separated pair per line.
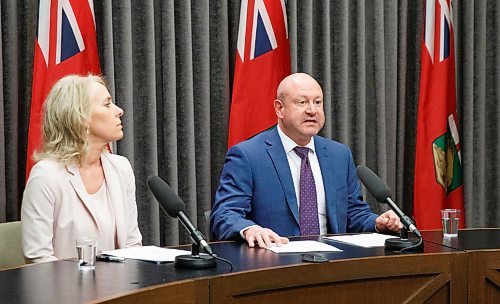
x,y
66,116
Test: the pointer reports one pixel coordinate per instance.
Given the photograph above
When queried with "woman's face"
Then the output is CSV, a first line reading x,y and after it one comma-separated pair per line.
x,y
105,123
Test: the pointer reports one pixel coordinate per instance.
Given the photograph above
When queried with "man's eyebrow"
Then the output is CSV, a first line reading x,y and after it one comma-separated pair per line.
x,y
306,97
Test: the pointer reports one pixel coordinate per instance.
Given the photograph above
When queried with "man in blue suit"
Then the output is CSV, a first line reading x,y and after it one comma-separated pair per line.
x,y
259,195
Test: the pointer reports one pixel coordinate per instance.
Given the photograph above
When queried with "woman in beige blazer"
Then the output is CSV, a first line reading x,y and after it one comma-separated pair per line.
x,y
77,188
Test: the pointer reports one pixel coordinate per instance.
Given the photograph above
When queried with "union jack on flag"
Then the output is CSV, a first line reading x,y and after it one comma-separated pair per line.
x,y
262,61
263,39
445,22
65,44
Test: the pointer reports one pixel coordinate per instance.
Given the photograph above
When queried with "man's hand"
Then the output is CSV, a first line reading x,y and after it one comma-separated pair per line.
x,y
388,221
263,237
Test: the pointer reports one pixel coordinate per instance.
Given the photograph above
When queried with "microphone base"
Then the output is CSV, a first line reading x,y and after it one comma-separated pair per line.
x,y
194,261
397,244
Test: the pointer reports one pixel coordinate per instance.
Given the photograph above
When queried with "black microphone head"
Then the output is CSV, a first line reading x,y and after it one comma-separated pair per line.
x,y
374,184
168,199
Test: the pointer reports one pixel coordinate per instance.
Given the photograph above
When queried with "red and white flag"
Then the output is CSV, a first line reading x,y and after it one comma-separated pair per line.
x,y
65,44
262,61
438,165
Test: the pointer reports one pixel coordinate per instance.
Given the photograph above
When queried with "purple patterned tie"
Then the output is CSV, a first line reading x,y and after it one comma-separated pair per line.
x,y
308,211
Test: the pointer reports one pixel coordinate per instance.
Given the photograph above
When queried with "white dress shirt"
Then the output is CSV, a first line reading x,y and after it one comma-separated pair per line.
x,y
295,162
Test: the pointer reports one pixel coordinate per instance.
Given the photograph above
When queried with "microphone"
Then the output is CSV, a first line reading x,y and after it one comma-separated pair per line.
x,y
172,204
382,193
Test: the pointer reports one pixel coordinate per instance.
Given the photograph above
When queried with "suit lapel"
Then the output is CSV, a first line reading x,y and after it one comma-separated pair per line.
x,y
326,164
277,153
77,184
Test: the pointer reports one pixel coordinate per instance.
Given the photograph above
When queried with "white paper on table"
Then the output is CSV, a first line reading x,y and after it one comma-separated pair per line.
x,y
366,240
303,246
147,253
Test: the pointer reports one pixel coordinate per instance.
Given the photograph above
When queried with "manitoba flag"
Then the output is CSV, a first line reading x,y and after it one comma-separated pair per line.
x,y
262,61
438,165
65,44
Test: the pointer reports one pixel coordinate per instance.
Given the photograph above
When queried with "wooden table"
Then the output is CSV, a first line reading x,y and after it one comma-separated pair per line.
x,y
483,260
440,274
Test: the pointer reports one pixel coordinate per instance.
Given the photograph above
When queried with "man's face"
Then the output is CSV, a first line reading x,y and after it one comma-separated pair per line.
x,y
300,112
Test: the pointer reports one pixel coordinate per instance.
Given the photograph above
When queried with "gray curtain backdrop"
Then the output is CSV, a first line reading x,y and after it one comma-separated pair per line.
x,y
170,65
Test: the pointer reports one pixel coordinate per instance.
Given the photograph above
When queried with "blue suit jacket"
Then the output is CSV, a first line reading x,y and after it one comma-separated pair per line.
x,y
256,187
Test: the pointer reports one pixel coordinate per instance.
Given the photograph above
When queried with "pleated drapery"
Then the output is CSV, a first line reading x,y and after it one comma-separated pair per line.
x,y
169,65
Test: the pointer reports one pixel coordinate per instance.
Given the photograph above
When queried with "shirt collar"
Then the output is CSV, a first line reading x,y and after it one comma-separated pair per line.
x,y
289,144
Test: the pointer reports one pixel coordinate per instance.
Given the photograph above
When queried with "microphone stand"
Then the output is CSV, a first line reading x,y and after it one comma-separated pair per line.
x,y
194,260
403,242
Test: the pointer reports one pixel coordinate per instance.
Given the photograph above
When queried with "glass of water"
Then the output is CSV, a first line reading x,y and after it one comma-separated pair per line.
x,y
86,248
450,219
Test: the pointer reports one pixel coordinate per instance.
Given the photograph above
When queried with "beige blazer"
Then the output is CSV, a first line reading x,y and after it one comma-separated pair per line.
x,y
56,210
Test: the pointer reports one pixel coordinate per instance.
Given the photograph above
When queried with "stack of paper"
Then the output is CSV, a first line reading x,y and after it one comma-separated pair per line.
x,y
147,253
366,240
303,246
